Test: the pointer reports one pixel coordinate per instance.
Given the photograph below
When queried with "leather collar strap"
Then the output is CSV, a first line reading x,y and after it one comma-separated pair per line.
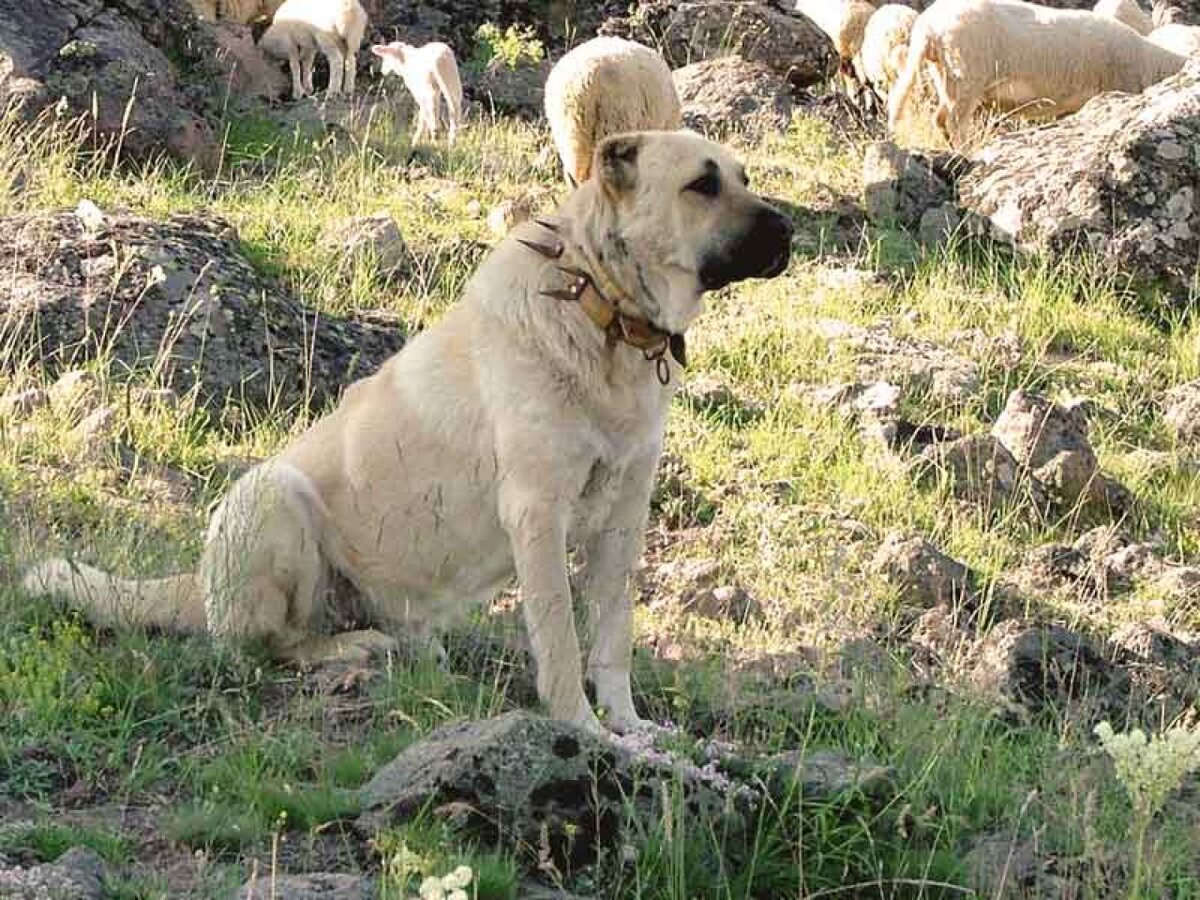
x,y
617,326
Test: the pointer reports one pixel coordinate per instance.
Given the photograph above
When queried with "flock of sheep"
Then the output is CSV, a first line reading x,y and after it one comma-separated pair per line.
x,y
1014,56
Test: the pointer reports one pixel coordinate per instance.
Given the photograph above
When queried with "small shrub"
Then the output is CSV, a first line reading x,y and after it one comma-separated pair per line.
x,y
515,46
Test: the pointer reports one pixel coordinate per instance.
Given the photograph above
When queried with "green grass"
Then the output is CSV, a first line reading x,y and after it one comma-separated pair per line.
x,y
232,757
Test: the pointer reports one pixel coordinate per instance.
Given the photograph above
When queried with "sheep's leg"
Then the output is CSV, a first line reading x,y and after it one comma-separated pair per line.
x,y
294,67
351,71
307,60
331,47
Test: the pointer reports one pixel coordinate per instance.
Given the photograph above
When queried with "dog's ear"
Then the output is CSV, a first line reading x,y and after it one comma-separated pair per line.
x,y
616,163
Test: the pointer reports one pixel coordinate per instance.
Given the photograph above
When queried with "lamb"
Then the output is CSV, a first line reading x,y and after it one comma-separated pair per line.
x,y
1022,57
845,24
1181,39
606,86
428,72
1126,11
885,45
301,27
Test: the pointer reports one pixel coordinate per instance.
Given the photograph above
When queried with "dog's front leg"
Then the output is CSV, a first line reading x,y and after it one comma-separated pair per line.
x,y
609,558
537,528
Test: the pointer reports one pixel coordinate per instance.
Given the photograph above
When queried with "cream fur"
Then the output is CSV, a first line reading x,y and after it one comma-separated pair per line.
x,y
1024,58
429,72
1181,39
1127,11
885,45
495,440
302,27
845,23
240,12
606,86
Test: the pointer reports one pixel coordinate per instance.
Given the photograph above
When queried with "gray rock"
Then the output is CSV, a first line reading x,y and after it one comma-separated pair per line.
x,y
97,427
1036,668
980,470
687,33
320,886
105,52
74,392
522,780
900,187
1118,179
730,94
76,875
938,224
923,575
1183,412
825,774
20,404
375,239
516,91
245,68
188,288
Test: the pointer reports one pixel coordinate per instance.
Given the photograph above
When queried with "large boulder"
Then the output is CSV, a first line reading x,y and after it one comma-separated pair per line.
x,y
732,94
177,299
794,48
145,68
1120,179
78,875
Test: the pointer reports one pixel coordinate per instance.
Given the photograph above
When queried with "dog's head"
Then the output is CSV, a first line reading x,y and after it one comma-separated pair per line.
x,y
679,219
393,56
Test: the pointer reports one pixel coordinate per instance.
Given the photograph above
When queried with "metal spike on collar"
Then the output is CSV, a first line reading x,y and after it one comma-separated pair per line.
x,y
550,251
550,223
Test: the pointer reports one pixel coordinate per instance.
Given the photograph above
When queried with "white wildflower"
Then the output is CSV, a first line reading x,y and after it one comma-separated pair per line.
x,y
458,879
431,889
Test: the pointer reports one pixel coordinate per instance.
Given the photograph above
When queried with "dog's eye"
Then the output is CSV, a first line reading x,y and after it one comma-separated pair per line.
x,y
708,185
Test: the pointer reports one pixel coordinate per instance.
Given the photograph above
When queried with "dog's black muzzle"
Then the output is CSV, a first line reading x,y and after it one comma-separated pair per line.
x,y
762,252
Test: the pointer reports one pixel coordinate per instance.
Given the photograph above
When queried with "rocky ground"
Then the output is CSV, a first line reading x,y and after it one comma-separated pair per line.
x,y
927,516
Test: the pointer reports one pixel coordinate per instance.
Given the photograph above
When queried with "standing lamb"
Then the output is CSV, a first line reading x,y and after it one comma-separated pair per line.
x,y
1126,11
885,45
240,12
301,27
1023,58
844,22
603,87
428,72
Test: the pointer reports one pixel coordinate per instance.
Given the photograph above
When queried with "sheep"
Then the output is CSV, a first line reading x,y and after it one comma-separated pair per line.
x,y
1181,39
1016,55
844,23
885,45
1126,11
427,72
301,27
606,86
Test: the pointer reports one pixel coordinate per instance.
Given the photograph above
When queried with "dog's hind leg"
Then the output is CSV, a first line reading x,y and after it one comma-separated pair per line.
x,y
609,558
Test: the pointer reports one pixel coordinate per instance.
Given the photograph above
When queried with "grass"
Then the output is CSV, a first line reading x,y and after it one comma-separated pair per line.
x,y
183,749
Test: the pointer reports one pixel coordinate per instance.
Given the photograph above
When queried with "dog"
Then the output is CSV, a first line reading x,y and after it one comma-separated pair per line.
x,y
427,71
301,27
528,420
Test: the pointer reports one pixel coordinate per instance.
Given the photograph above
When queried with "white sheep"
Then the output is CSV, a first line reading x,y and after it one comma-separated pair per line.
x,y
428,72
301,27
1181,39
844,22
885,45
240,12
1127,11
1024,58
607,86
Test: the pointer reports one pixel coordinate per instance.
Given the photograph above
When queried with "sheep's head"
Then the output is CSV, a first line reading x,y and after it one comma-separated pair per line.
x,y
393,56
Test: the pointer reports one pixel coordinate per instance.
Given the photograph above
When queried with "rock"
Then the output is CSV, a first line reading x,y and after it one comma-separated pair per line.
x,y
1164,669
1183,412
938,224
74,392
498,89
922,574
1052,442
374,240
980,470
76,875
246,69
1118,180
98,54
727,603
507,214
1002,867
729,94
900,187
525,781
825,774
188,287
1179,583
1037,668
322,886
97,427
21,404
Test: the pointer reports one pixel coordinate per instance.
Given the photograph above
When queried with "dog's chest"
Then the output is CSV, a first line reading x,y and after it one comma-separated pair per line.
x,y
594,503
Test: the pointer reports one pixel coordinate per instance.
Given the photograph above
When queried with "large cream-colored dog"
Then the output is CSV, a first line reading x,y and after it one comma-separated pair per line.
x,y
528,420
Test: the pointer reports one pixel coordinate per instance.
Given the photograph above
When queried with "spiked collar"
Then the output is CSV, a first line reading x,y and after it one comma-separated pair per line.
x,y
591,288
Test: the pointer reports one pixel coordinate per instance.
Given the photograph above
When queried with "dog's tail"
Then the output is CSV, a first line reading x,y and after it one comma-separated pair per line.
x,y
922,45
450,85
175,603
